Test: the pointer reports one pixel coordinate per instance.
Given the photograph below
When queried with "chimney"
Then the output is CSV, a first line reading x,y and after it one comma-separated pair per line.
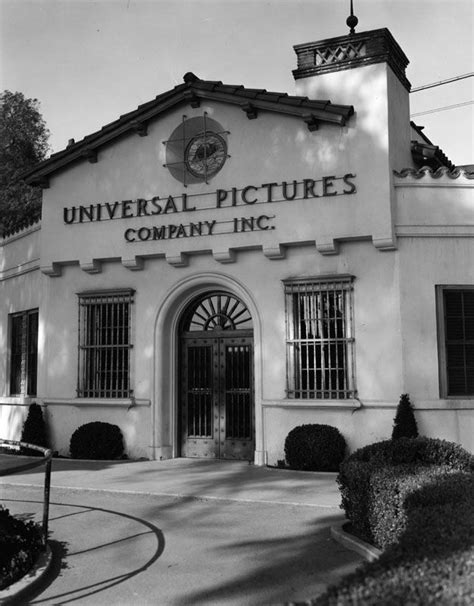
x,y
351,52
365,70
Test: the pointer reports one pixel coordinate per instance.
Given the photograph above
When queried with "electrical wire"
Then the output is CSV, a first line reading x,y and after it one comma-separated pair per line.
x,y
433,84
441,109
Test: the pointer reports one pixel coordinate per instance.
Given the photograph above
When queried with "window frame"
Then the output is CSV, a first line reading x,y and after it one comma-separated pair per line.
x,y
295,379
89,384
28,359
441,289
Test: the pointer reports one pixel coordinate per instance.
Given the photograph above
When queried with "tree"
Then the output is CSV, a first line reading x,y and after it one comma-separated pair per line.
x,y
34,430
23,143
405,422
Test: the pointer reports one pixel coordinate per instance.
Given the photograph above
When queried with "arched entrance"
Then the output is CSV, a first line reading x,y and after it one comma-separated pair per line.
x,y
216,396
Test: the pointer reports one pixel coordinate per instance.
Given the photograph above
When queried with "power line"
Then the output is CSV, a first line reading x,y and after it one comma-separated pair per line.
x,y
454,79
441,109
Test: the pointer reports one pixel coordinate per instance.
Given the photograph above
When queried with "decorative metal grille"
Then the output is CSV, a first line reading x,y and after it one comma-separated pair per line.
x,y
238,391
327,56
196,150
319,338
200,391
24,352
219,311
105,344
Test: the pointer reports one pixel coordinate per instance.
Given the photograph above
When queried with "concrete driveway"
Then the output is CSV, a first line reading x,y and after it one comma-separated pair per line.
x,y
120,547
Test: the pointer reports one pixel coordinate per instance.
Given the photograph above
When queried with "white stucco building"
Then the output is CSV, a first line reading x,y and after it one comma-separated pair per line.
x,y
223,264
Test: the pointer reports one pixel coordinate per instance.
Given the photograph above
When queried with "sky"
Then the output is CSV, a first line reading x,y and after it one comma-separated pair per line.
x,y
89,61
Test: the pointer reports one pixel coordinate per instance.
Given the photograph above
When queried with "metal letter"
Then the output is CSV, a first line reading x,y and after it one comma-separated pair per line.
x,y
127,234
221,195
352,188
65,214
244,194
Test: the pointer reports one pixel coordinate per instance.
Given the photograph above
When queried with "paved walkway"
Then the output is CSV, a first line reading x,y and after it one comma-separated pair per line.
x,y
198,478
184,532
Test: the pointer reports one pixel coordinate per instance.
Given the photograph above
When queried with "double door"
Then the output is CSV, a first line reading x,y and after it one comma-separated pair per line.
x,y
217,404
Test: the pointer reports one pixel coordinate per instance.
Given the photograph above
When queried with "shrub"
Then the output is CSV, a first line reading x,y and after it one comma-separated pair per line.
x,y
377,482
432,562
34,430
430,451
97,440
20,544
315,448
405,423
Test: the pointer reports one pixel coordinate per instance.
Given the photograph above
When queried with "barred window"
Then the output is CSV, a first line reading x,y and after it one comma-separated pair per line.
x,y
456,340
23,352
105,344
319,338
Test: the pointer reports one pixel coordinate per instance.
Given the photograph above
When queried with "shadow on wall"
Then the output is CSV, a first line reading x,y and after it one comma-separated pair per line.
x,y
11,421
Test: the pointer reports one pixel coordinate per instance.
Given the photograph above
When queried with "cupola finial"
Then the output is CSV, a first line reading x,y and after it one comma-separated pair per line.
x,y
352,21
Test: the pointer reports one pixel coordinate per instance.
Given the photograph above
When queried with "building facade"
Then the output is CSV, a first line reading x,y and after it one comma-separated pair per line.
x,y
223,264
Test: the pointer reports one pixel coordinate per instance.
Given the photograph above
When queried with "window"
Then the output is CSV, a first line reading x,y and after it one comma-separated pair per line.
x,y
319,338
456,340
105,344
23,352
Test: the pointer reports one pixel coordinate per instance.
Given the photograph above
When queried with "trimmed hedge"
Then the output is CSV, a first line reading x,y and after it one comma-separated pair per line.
x,y
416,501
315,447
423,450
20,544
97,440
34,431
377,482
404,423
432,563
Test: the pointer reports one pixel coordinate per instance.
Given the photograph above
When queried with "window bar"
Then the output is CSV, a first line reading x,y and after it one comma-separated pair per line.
x,y
86,339
117,341
333,344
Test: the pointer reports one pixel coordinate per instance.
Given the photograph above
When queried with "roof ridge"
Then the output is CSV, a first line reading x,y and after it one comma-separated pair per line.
x,y
193,89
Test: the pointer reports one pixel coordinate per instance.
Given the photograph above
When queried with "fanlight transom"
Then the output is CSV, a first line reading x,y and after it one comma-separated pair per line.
x,y
218,311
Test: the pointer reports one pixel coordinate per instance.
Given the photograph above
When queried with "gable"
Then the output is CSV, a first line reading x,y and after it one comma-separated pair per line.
x,y
192,93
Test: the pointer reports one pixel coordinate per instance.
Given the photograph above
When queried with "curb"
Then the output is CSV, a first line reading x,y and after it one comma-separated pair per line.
x,y
173,495
369,552
21,588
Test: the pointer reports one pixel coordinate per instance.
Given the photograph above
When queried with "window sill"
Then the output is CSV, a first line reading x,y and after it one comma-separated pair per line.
x,y
349,404
17,400
118,402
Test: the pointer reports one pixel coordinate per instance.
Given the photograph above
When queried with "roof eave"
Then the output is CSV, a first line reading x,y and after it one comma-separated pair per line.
x,y
313,111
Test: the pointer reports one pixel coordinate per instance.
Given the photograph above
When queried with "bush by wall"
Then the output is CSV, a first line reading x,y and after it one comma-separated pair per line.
x,y
430,451
20,544
97,440
34,430
377,482
315,447
432,562
404,423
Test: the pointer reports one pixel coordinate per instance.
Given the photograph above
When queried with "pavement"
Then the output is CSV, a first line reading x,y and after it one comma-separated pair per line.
x,y
183,532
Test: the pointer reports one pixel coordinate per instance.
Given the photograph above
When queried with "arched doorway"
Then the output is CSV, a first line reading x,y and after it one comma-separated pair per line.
x,y
216,400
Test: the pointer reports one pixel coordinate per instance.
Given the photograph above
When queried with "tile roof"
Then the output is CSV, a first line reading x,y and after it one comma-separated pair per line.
x,y
442,171
424,153
193,90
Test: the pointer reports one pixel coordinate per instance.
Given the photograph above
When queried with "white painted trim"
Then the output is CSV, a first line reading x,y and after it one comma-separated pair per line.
x,y
19,270
434,184
98,402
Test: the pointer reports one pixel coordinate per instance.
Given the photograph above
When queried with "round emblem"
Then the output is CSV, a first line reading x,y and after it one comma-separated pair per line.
x,y
205,154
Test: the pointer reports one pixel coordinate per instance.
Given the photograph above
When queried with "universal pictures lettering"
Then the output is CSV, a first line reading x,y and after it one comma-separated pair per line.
x,y
219,199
